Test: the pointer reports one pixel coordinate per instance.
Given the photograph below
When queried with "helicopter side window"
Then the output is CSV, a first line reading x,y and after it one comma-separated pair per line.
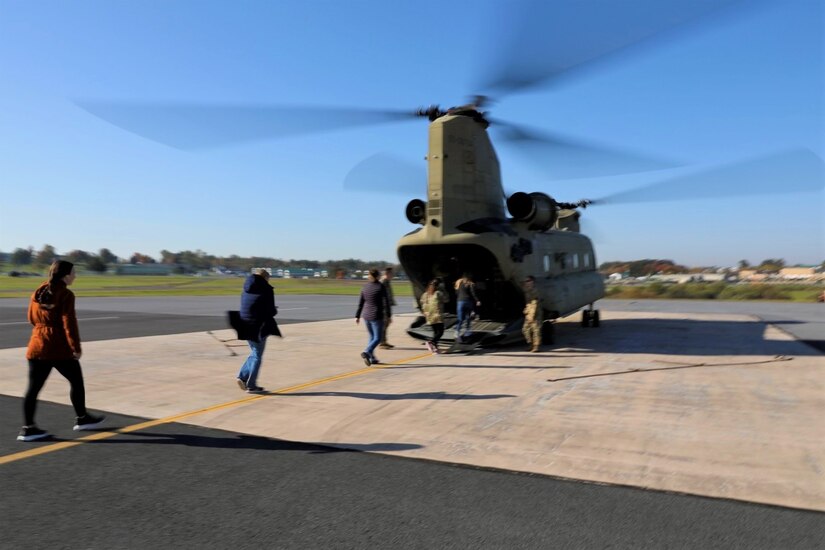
x,y
561,258
575,261
546,263
586,259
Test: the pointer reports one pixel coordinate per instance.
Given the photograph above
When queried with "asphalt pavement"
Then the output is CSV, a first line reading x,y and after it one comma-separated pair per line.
x,y
180,486
113,318
110,318
184,486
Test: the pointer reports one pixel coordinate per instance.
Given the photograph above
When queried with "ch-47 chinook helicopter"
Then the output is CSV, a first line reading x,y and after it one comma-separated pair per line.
x,y
468,224
466,231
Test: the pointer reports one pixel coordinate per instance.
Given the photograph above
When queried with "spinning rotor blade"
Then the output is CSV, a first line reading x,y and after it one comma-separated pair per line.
x,y
553,40
794,171
563,158
196,126
386,173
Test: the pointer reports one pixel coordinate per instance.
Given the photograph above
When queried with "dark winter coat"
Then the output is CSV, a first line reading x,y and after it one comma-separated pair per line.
x,y
388,285
55,335
258,307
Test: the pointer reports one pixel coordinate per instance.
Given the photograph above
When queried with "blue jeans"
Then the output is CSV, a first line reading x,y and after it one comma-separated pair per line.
x,y
465,311
250,368
375,330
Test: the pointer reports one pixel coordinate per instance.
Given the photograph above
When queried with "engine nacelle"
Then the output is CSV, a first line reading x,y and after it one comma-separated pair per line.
x,y
417,211
538,210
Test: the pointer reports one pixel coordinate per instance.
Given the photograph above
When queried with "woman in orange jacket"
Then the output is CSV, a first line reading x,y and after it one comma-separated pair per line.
x,y
55,343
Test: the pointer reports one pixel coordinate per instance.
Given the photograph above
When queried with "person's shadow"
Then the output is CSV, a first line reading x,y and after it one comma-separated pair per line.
x,y
400,396
241,441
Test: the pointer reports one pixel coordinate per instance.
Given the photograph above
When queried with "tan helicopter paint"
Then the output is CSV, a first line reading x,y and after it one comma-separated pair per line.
x,y
464,181
564,266
464,185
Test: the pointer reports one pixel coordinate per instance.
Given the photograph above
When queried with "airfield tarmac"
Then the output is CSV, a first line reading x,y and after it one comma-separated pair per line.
x,y
684,405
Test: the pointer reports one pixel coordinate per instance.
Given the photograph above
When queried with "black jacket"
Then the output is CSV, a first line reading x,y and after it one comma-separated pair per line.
x,y
257,309
374,304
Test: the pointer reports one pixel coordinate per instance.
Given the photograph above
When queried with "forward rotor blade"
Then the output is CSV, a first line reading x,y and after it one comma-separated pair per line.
x,y
553,40
385,173
795,171
197,126
565,158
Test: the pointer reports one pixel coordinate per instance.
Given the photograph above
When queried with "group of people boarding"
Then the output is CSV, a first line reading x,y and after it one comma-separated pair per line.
x,y
55,340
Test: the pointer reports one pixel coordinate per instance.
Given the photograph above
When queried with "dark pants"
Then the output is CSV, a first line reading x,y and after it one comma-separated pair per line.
x,y
38,373
384,330
438,332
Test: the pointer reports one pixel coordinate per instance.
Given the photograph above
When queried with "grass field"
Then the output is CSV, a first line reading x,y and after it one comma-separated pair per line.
x,y
779,292
183,285
187,285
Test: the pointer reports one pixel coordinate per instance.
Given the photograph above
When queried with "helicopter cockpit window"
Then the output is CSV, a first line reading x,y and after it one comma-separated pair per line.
x,y
586,259
575,261
546,263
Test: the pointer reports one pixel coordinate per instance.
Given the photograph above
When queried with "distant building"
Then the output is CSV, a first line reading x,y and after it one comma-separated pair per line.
x,y
710,277
799,273
752,275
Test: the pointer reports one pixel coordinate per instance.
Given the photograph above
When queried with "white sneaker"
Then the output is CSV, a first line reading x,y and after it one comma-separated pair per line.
x,y
88,422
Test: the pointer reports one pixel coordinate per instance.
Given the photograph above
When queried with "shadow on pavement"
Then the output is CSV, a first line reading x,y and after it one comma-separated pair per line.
x,y
398,396
446,366
241,441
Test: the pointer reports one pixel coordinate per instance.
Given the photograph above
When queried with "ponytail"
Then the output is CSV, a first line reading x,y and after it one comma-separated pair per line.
x,y
58,270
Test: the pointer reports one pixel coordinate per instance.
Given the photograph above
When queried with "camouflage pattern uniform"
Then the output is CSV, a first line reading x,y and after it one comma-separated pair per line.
x,y
532,320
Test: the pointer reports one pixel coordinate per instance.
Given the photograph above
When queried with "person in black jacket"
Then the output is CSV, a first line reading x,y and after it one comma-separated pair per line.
x,y
257,312
374,305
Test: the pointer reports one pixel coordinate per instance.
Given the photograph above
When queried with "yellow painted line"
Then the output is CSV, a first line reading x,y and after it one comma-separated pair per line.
x,y
169,419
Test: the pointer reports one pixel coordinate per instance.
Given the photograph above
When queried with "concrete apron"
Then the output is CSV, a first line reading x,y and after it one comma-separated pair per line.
x,y
695,404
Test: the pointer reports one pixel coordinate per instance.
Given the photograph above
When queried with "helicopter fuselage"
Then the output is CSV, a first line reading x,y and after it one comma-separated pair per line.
x,y
465,231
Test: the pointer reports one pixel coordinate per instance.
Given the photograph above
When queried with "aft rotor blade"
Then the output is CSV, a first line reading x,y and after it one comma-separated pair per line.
x,y
388,174
197,126
565,158
795,171
549,41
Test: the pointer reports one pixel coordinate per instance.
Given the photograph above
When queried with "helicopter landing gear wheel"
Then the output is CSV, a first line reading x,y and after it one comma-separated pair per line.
x,y
590,318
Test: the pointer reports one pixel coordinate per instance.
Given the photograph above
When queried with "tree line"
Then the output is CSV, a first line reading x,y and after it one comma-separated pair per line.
x,y
198,260
185,260
642,268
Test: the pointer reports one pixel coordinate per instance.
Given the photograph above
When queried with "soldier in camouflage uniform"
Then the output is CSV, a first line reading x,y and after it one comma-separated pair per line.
x,y
532,314
432,306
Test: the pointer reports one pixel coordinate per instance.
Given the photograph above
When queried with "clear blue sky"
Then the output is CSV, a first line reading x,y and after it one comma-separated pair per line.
x,y
739,88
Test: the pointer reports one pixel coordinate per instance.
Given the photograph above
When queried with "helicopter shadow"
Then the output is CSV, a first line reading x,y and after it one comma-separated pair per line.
x,y
679,337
